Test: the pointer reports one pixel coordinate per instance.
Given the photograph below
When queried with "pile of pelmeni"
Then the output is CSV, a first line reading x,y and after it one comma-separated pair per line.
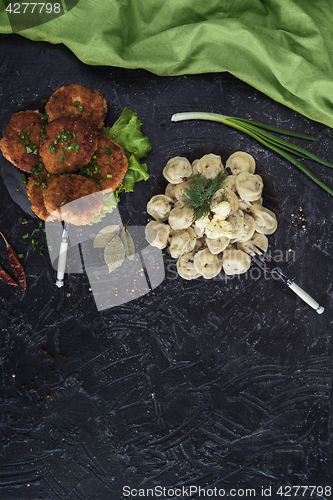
x,y
222,240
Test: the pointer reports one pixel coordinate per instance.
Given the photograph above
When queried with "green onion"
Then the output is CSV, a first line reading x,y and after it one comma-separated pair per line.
x,y
257,130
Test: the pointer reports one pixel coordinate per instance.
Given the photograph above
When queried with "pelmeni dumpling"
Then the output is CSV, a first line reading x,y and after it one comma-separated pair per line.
x,y
217,245
181,216
170,191
157,234
182,241
230,183
159,207
179,191
257,239
207,263
177,169
209,165
199,231
244,205
241,162
265,219
229,194
236,220
248,228
249,186
235,261
200,243
185,266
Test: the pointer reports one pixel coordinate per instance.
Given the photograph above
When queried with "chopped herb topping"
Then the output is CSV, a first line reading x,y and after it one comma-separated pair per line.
x,y
31,149
53,149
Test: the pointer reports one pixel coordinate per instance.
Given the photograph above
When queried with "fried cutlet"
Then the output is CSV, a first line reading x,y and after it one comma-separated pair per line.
x,y
21,138
68,144
79,102
37,183
108,165
74,199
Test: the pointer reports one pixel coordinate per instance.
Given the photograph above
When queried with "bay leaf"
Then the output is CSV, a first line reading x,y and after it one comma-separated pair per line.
x,y
128,242
105,236
114,253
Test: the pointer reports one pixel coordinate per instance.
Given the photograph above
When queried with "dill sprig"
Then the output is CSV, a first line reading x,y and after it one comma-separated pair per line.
x,y
199,192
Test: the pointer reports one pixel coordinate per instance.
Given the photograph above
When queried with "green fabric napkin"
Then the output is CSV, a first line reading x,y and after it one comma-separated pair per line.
x,y
284,48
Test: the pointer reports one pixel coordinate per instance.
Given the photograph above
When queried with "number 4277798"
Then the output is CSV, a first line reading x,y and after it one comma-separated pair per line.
x,y
33,8
304,491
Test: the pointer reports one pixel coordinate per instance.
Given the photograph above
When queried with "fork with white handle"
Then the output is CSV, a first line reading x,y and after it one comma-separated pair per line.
x,y
266,262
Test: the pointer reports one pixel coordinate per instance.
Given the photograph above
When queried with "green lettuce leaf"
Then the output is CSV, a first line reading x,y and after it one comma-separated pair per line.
x,y
126,132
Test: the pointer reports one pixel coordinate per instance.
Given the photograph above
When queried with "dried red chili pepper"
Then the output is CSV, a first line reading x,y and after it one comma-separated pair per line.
x,y
6,278
15,264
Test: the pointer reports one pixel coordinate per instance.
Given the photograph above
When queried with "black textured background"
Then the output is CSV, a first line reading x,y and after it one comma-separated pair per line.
x,y
225,384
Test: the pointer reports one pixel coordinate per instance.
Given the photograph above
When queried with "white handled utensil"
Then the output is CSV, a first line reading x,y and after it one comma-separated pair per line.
x,y
266,262
62,257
